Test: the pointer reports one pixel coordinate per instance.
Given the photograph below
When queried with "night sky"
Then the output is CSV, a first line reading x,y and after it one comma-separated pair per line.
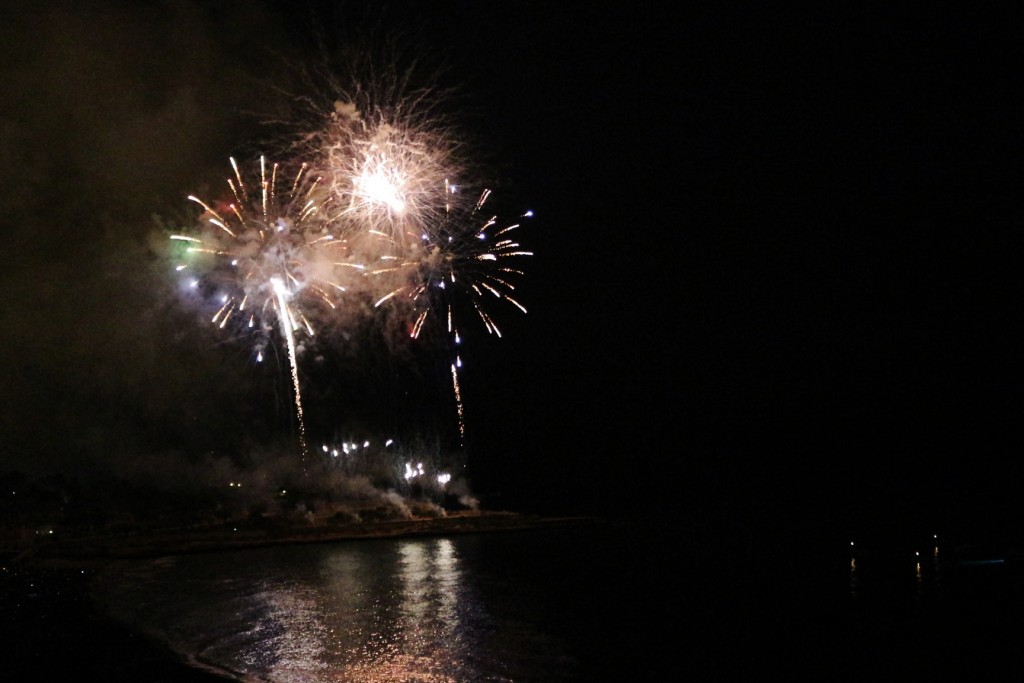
x,y
775,250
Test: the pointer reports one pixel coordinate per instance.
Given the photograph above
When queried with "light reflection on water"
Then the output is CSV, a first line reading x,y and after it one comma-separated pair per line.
x,y
368,611
574,604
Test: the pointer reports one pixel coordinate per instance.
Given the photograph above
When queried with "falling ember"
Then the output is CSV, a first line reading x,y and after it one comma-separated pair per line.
x,y
287,324
465,264
270,253
458,403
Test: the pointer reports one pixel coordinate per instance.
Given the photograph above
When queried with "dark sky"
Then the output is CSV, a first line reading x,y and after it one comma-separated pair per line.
x,y
776,250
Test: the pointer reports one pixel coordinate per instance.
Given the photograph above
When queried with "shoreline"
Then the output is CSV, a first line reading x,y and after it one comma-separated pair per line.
x,y
86,550
53,631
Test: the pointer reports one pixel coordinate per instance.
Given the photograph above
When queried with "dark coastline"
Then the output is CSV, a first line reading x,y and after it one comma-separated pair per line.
x,y
52,631
82,550
792,604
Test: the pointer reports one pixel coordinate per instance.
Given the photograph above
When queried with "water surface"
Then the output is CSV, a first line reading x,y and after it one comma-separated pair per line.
x,y
609,602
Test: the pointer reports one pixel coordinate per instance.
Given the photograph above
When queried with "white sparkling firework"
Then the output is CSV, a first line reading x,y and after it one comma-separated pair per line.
x,y
382,151
267,257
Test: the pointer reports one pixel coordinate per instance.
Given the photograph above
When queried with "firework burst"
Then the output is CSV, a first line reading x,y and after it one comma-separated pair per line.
x,y
265,257
371,218
383,175
463,265
381,141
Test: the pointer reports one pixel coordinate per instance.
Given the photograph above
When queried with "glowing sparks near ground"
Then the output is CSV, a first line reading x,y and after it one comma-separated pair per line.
x,y
412,471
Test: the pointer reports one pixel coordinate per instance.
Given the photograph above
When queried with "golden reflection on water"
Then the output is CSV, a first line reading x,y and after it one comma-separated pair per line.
x,y
295,646
927,572
853,573
383,619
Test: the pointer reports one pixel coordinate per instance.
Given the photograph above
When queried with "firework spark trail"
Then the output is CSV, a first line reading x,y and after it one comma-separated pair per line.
x,y
269,254
287,323
460,258
462,264
458,401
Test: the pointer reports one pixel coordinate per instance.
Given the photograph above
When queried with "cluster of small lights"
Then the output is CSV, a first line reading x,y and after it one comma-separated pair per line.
x,y
413,471
917,554
348,447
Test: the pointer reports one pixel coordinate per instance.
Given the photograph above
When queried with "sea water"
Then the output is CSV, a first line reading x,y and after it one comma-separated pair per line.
x,y
596,603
